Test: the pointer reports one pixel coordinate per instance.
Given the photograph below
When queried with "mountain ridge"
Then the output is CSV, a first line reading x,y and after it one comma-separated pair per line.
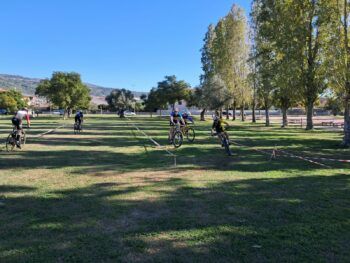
x,y
28,85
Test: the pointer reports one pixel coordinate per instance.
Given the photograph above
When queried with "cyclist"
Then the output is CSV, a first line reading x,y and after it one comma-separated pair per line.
x,y
218,125
175,118
187,117
17,122
79,117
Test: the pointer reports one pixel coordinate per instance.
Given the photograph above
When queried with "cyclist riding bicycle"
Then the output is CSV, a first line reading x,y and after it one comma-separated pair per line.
x,y
175,118
187,117
79,117
17,122
219,125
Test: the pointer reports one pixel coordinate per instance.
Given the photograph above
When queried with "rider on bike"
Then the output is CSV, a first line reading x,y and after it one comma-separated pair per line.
x,y
219,125
79,117
17,122
186,115
175,118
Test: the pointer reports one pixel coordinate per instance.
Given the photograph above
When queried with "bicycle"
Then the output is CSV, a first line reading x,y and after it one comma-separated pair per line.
x,y
77,127
225,142
11,141
176,136
189,132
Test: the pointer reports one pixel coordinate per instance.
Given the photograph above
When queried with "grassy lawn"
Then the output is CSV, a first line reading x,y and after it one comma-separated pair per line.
x,y
110,195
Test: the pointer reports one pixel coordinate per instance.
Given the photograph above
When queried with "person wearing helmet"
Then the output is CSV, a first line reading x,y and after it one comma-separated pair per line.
x,y
186,115
219,125
17,122
79,116
175,118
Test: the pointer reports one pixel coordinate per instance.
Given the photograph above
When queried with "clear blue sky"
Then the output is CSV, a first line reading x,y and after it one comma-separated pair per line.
x,y
129,44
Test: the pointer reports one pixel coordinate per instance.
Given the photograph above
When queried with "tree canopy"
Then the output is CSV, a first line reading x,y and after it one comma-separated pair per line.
x,y
66,91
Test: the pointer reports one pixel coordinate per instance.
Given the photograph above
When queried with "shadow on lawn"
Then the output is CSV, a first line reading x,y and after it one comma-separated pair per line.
x,y
254,220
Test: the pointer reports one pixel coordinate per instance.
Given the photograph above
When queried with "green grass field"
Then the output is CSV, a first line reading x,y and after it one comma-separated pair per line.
x,y
110,195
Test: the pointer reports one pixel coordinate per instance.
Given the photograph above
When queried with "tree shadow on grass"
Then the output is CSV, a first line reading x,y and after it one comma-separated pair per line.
x,y
254,220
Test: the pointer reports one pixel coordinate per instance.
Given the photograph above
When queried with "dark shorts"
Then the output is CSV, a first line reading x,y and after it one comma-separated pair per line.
x,y
77,119
16,122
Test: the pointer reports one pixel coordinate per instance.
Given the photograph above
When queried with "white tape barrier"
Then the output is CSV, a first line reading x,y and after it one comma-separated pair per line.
x,y
47,132
154,141
284,153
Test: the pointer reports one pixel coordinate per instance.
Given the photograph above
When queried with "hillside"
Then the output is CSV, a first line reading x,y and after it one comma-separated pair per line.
x,y
28,85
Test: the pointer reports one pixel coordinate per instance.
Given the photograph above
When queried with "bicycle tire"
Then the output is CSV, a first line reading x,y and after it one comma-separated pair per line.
x,y
23,138
10,143
190,134
177,139
227,146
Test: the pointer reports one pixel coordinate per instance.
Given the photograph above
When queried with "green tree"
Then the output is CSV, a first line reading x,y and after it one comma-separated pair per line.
x,y
215,93
120,100
155,101
18,97
173,90
338,58
66,91
7,102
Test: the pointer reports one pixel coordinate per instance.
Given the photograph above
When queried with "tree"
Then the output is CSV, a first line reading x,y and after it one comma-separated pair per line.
x,y
335,104
197,99
18,97
238,49
154,101
7,102
66,91
173,90
338,59
264,54
215,93
120,100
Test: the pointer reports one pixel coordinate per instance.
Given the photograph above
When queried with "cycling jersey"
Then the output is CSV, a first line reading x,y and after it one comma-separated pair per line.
x,y
218,125
176,116
21,114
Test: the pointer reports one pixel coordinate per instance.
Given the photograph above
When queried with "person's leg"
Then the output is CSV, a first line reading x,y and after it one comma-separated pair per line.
x,y
171,132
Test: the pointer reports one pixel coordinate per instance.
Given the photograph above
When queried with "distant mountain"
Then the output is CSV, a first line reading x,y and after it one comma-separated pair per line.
x,y
28,85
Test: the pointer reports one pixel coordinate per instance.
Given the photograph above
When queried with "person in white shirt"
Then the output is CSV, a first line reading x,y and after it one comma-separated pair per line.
x,y
17,122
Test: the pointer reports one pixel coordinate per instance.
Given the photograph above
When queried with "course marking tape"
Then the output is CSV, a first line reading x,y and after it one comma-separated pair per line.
x,y
325,159
47,132
272,154
154,141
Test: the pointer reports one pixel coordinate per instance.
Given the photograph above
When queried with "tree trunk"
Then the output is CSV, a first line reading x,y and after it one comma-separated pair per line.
x,y
267,117
220,113
346,139
253,114
227,113
242,114
203,115
234,111
284,118
309,115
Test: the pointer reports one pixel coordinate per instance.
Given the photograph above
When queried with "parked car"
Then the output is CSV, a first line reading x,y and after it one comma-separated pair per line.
x,y
3,112
225,113
129,113
58,112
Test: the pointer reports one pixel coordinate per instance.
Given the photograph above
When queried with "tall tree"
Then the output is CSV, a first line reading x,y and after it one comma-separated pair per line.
x,y
338,59
120,100
238,53
66,91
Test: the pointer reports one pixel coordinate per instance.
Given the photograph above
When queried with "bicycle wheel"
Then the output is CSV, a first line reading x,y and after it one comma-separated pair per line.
x,y
226,145
75,128
177,139
190,134
23,138
10,143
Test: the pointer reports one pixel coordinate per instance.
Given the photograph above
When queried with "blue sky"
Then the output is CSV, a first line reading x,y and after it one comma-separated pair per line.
x,y
129,44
